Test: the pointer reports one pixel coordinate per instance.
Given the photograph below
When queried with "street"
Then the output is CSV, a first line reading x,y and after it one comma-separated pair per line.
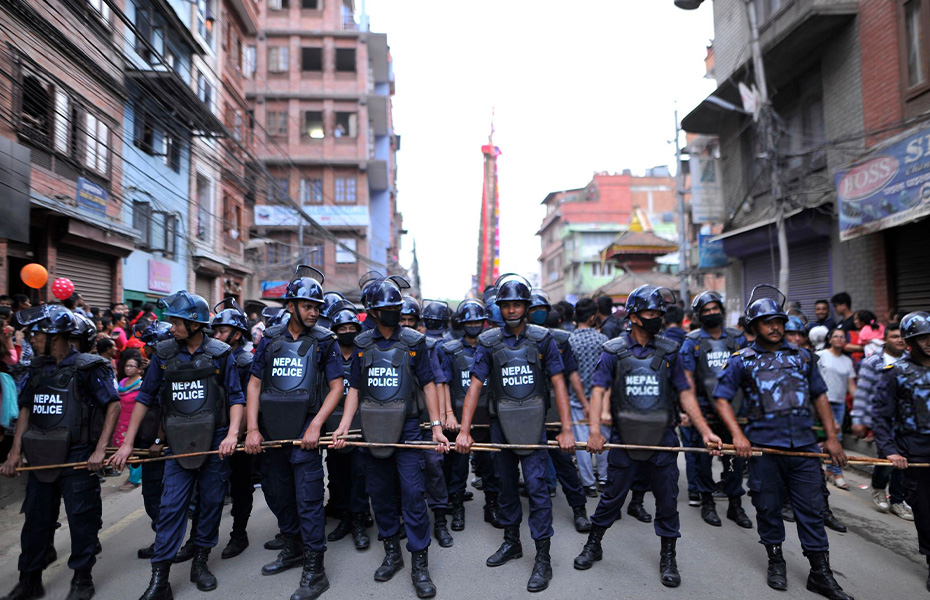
x,y
877,559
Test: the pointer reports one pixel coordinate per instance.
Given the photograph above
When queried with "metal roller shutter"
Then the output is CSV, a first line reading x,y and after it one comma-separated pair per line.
x,y
910,266
91,273
809,277
203,286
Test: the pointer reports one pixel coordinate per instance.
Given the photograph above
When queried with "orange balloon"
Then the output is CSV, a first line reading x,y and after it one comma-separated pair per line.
x,y
34,275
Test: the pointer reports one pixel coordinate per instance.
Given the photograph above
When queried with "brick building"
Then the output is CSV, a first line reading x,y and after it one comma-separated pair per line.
x,y
321,96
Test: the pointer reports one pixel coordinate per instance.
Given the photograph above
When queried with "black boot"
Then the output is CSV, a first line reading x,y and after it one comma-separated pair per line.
x,y
276,543
820,580
146,553
830,520
580,516
289,557
185,553
787,512
592,550
542,568
457,501
491,507
200,573
709,509
313,581
511,548
668,566
82,585
419,574
636,508
928,575
440,529
359,535
159,586
736,513
238,542
29,587
393,560
777,576
343,529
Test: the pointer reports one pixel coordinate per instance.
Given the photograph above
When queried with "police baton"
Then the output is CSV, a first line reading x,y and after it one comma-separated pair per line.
x,y
854,460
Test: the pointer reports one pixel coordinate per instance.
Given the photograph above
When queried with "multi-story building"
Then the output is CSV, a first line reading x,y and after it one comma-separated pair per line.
x,y
321,94
62,196
580,223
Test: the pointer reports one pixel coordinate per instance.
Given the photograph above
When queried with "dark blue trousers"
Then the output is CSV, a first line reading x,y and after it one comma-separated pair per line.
x,y
455,466
292,480
81,492
211,479
485,465
434,477
379,483
241,490
346,471
567,475
769,476
659,472
153,475
535,466
688,435
732,470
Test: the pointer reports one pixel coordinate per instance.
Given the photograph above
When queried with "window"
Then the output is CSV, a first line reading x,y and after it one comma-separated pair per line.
x,y
144,131
248,61
278,4
278,253
345,60
313,124
914,44
143,34
171,60
204,90
311,190
313,255
204,27
802,149
310,4
279,189
96,143
276,122
277,59
171,150
232,215
311,59
766,9
204,204
158,229
62,119
346,125
602,270
141,221
345,190
345,251
237,125
102,8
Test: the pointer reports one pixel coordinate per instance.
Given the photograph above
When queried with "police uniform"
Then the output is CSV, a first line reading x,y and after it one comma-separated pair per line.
x,y
195,392
434,477
60,398
241,466
705,357
295,374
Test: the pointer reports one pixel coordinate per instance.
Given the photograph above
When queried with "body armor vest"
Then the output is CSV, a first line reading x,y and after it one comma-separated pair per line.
x,y
711,357
58,420
642,400
387,389
193,397
777,381
432,344
560,336
912,401
332,423
463,359
243,367
519,389
291,382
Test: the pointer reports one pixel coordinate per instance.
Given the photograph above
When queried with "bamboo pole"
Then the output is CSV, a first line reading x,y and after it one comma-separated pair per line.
x,y
856,460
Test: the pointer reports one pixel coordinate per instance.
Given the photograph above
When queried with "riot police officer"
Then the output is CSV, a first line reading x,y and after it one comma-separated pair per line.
x,y
781,391
231,327
61,389
901,420
293,365
194,379
704,353
565,471
346,467
388,364
647,387
517,359
329,299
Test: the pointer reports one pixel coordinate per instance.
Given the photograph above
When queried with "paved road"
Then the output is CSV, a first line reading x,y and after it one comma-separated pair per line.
x,y
876,559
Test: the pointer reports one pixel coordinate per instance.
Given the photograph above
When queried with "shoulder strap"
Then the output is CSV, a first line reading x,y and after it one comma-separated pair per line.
x,y
166,349
364,340
215,348
244,359
321,334
615,346
536,333
491,337
274,332
694,335
560,335
452,346
431,342
410,337
665,345
89,361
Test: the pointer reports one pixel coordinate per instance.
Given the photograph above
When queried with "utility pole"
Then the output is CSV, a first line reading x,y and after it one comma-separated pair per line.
x,y
683,263
767,125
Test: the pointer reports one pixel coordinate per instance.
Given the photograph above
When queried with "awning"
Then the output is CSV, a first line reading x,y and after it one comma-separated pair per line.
x,y
801,225
708,116
169,86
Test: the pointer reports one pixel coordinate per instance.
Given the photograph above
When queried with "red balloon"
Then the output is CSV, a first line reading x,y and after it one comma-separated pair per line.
x,y
62,288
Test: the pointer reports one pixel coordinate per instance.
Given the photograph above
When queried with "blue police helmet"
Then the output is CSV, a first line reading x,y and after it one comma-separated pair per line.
x,y
540,298
366,283
705,298
329,299
794,324
232,316
915,324
764,309
152,333
385,293
471,310
411,307
513,288
436,310
304,287
187,306
48,318
344,312
85,331
648,297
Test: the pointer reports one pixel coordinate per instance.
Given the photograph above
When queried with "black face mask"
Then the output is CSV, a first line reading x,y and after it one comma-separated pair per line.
x,y
346,337
472,330
389,318
712,321
652,326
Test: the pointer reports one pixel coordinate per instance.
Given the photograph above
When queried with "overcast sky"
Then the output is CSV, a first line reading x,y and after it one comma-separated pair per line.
x,y
577,88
